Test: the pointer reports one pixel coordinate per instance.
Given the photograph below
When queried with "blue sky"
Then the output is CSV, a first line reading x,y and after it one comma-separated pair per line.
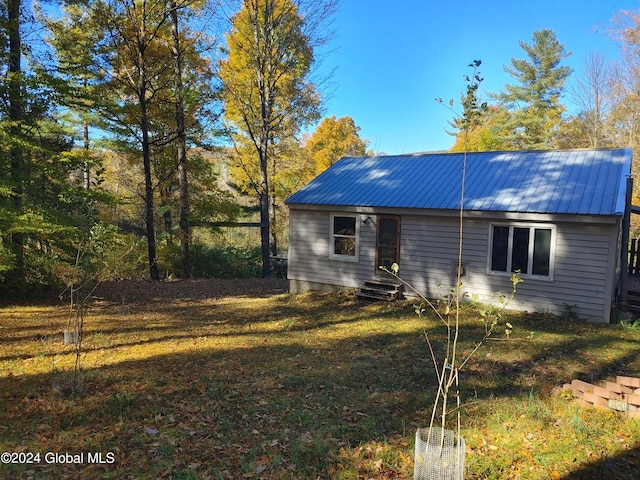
x,y
392,59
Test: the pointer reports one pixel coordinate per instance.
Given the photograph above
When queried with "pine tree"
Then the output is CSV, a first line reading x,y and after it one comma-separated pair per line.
x,y
44,208
535,100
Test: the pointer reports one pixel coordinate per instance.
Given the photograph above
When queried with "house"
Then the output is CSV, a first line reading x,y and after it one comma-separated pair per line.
x,y
556,216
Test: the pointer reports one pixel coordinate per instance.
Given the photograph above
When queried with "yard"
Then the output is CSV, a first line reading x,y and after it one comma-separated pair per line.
x,y
239,379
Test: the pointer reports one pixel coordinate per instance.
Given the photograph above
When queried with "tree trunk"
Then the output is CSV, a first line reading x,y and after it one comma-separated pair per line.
x,y
181,146
146,161
142,90
86,171
15,119
167,219
273,226
264,214
148,193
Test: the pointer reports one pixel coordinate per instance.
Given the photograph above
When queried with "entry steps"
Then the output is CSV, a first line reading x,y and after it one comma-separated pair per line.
x,y
634,302
380,289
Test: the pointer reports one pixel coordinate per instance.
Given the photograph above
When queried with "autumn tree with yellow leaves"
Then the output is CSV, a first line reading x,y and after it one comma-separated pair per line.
x,y
267,91
334,139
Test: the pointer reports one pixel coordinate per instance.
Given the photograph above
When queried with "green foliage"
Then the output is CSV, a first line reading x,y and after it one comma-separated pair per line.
x,y
535,100
528,114
7,260
112,255
208,202
224,262
480,127
103,254
631,325
108,254
473,108
44,210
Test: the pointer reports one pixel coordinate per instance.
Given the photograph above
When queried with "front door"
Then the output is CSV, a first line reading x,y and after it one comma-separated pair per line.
x,y
387,241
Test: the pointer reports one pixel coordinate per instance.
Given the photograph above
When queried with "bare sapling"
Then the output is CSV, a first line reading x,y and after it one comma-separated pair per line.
x,y
447,370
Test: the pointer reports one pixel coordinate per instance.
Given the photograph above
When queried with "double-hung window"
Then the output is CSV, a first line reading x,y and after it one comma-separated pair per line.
x,y
527,249
344,241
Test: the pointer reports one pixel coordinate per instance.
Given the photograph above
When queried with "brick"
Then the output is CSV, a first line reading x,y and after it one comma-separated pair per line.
x,y
595,399
605,393
617,388
628,381
622,406
633,415
577,393
582,386
632,400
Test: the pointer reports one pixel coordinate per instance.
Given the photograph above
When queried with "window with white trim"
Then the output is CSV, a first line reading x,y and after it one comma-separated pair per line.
x,y
345,233
524,248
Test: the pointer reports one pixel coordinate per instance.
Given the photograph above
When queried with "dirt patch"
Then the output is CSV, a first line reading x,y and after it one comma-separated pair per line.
x,y
144,292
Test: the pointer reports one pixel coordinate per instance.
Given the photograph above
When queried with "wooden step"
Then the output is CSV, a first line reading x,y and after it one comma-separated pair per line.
x,y
634,302
380,290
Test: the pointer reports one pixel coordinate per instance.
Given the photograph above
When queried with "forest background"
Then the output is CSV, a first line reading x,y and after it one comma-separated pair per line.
x,y
160,138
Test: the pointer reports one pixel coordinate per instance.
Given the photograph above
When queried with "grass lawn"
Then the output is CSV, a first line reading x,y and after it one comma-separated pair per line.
x,y
215,380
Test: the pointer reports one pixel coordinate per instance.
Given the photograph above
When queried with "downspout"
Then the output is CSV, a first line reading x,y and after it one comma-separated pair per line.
x,y
623,297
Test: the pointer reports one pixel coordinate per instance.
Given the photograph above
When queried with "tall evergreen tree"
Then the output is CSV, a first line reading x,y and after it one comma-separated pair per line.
x,y
42,208
535,99
13,80
73,39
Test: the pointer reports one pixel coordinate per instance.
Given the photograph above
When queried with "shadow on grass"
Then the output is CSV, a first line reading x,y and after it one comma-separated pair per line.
x,y
286,400
214,320
544,353
279,410
625,466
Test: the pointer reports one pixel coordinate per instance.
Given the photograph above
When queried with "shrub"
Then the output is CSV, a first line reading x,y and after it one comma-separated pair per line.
x,y
224,262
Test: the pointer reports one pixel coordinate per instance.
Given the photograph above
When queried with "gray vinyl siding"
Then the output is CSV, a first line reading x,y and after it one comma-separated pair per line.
x,y
583,275
309,261
585,260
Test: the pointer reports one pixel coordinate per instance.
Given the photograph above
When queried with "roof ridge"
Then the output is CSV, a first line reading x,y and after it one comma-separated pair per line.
x,y
446,152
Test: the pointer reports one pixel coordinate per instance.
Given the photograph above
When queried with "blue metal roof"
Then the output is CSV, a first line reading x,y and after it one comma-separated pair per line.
x,y
590,182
